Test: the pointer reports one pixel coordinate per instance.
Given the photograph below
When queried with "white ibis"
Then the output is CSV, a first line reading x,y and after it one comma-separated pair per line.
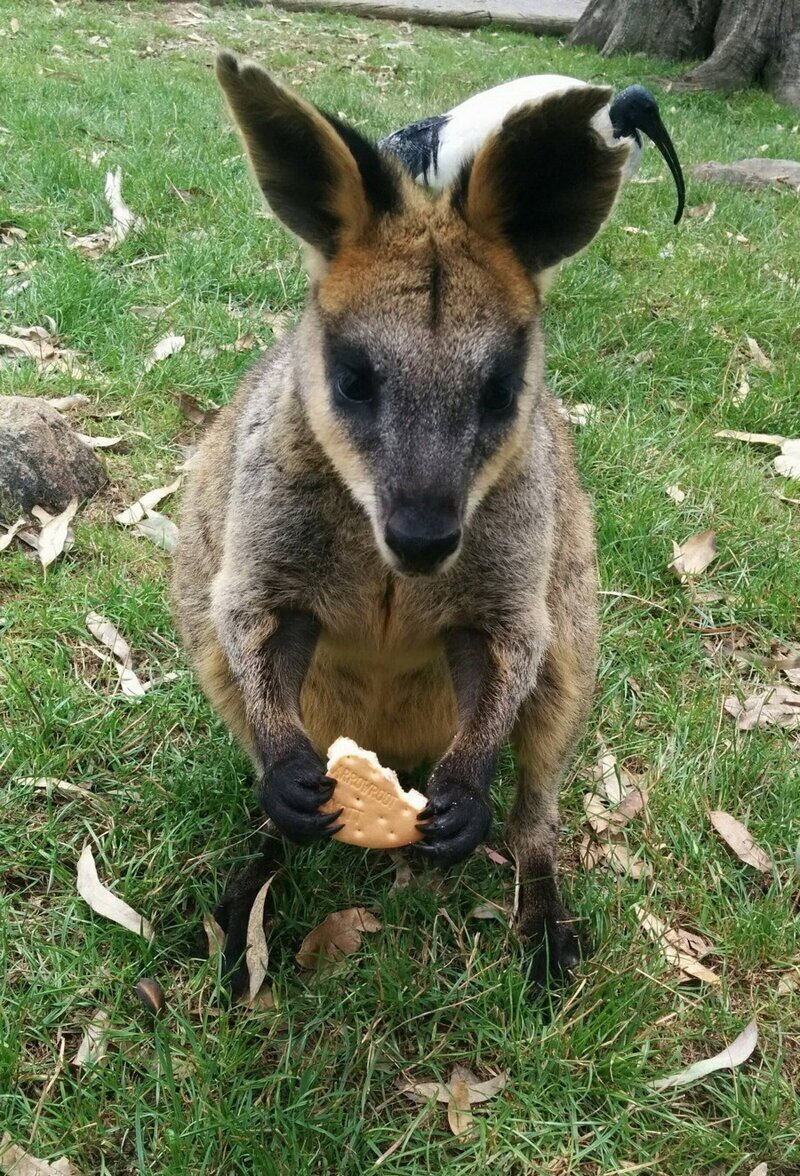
x,y
435,149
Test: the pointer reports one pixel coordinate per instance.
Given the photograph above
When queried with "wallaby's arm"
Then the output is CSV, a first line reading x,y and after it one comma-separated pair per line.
x,y
491,675
269,651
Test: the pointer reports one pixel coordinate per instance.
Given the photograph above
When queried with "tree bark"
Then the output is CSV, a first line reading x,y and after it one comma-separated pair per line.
x,y
741,41
661,28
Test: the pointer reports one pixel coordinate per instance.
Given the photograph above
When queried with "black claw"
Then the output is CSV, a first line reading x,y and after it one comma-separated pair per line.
x,y
329,818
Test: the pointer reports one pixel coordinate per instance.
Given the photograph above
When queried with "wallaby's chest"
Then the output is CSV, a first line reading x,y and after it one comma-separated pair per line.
x,y
380,675
379,624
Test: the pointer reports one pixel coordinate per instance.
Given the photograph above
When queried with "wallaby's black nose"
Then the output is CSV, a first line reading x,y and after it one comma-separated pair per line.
x,y
422,538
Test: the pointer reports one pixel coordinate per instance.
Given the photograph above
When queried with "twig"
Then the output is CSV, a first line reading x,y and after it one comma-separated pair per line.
x,y
631,596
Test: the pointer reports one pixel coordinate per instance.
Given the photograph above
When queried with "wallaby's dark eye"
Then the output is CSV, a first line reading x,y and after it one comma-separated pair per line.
x,y
501,393
353,385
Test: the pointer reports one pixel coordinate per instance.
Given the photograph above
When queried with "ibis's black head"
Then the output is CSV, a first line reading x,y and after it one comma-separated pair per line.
x,y
634,110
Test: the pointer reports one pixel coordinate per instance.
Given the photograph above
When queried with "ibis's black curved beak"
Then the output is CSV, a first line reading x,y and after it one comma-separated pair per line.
x,y
635,109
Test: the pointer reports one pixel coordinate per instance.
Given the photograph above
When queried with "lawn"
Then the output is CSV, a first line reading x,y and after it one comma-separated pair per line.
x,y
648,327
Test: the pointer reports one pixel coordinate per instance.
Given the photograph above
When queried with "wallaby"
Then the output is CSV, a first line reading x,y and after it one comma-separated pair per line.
x,y
383,534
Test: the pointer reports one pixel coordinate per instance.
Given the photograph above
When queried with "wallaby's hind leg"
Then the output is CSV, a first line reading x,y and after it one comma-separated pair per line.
x,y
233,910
544,738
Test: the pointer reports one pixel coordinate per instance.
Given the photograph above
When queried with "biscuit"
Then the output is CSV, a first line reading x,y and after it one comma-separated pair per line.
x,y
377,812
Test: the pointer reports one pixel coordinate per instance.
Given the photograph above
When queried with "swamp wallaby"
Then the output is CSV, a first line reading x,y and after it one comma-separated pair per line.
x,y
383,534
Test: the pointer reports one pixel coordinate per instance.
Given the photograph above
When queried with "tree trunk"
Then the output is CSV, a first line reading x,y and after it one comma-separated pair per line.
x,y
742,41
661,28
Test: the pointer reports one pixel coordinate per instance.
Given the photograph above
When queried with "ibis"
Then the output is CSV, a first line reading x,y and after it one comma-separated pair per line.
x,y
435,149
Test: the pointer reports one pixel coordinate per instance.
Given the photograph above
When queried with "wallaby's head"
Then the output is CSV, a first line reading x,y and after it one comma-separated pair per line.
x,y
421,360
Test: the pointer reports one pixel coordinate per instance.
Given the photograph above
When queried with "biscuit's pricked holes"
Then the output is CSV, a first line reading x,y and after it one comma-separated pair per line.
x,y
377,812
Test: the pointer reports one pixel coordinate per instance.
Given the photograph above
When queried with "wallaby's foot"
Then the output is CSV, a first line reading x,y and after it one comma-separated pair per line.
x,y
456,820
553,947
292,790
233,911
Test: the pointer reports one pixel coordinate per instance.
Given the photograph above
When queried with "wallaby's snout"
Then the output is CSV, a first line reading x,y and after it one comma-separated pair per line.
x,y
423,535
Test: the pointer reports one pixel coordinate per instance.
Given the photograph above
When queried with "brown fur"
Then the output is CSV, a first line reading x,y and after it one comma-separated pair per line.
x,y
283,512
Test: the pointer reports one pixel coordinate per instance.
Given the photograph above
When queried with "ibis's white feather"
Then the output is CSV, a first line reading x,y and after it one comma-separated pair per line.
x,y
467,126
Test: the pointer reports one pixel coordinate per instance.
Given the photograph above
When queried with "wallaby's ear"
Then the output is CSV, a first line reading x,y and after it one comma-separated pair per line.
x,y
320,177
546,180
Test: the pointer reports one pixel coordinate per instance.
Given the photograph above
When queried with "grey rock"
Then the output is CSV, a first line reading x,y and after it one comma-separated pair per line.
x,y
42,461
752,173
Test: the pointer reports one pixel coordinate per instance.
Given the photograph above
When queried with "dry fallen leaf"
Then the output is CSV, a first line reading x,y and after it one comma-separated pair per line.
x,y
734,1055
53,534
495,857
99,442
620,797
758,355
789,983
682,949
164,348
159,530
257,953
489,910
402,867
620,858
9,233
108,635
751,438
788,461
576,414
479,1092
760,1170
694,555
8,535
68,403
214,934
776,707
788,663
129,682
742,389
38,344
340,934
101,899
739,839
142,506
49,784
459,1115
704,211
15,1161
185,195
94,1044
194,411
94,245
676,494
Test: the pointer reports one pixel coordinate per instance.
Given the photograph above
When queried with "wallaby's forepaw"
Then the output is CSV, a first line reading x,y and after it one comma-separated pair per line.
x,y
454,823
292,791
555,950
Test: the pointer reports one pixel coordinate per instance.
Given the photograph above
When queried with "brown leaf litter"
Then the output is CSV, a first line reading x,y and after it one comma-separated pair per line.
x,y
777,706
460,1093
693,556
104,902
123,221
787,463
739,839
683,950
339,935
41,347
618,798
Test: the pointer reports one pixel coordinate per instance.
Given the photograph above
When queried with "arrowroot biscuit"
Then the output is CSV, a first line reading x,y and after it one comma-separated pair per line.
x,y
378,812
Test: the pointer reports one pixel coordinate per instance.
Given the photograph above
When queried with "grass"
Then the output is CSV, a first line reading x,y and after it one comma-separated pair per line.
x,y
311,1085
